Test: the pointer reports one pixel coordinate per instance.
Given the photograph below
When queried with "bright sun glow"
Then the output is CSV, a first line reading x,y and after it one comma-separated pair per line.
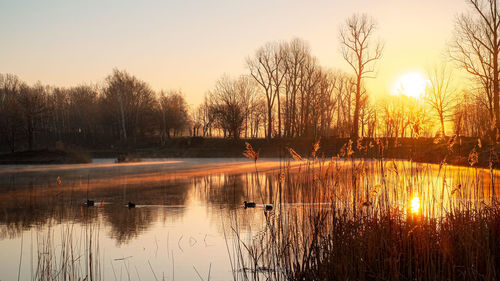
x,y
415,204
411,85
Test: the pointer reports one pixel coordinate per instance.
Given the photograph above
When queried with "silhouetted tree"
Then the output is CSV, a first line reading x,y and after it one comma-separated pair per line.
x,y
32,105
356,40
476,48
267,68
439,94
129,101
174,113
230,103
470,116
10,119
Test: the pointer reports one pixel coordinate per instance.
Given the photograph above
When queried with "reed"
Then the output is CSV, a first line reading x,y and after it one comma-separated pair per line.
x,y
348,219
67,255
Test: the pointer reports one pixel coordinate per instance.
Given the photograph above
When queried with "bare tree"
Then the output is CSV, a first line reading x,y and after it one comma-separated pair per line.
x,y
360,53
130,101
267,68
174,114
439,94
297,56
32,105
10,119
229,104
476,48
470,117
343,91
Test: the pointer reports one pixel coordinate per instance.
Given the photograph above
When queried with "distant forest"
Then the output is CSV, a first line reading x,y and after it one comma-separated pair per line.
x,y
286,93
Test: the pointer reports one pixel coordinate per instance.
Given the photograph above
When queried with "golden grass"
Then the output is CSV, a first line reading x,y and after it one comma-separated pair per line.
x,y
375,220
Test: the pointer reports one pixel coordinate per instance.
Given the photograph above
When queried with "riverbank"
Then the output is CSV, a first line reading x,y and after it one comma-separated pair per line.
x,y
452,151
456,151
46,156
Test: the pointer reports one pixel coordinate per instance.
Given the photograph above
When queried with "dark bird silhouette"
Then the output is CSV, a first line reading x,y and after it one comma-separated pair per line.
x,y
90,203
131,205
249,204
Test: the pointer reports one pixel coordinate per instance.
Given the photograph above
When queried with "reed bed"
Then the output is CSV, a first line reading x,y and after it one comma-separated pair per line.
x,y
348,219
67,254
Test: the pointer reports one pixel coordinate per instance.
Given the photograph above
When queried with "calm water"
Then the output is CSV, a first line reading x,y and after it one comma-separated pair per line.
x,y
183,223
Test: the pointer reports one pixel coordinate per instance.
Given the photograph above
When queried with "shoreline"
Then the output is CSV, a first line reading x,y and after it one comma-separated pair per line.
x,y
422,150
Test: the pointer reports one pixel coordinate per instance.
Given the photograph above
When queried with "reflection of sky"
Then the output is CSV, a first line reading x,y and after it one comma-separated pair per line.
x,y
186,215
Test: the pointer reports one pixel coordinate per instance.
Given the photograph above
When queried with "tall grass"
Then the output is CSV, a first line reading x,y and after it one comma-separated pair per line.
x,y
67,255
346,219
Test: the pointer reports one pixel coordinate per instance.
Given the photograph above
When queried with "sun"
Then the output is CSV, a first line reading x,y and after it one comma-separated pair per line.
x,y
411,84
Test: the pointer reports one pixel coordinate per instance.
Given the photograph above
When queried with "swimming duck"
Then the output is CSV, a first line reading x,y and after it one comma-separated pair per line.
x,y
249,204
131,205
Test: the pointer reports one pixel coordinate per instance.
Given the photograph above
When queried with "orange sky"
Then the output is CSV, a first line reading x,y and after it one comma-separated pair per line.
x,y
189,44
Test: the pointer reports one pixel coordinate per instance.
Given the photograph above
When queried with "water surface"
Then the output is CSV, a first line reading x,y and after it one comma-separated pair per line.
x,y
183,225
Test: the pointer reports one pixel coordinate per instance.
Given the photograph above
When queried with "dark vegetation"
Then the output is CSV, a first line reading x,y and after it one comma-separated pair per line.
x,y
46,156
355,225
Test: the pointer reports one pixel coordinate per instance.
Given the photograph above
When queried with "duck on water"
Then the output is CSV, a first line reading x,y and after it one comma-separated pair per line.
x,y
246,204
249,204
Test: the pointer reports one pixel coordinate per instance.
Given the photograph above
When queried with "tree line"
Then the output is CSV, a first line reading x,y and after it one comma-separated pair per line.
x,y
121,111
285,93
296,97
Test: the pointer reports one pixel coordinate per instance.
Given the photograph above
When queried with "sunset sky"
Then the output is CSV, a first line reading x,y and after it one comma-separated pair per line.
x,y
188,45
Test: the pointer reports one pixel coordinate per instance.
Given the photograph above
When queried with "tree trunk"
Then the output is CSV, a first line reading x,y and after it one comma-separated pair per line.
x,y
269,119
122,114
496,88
279,113
357,105
30,134
441,119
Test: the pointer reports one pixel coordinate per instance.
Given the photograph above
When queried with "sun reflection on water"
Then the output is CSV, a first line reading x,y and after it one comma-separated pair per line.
x,y
415,204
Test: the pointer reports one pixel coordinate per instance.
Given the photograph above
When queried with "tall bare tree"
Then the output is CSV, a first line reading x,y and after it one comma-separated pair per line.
x,y
297,56
267,68
477,46
360,53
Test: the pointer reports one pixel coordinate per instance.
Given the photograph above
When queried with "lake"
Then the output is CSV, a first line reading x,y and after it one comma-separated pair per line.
x,y
188,213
